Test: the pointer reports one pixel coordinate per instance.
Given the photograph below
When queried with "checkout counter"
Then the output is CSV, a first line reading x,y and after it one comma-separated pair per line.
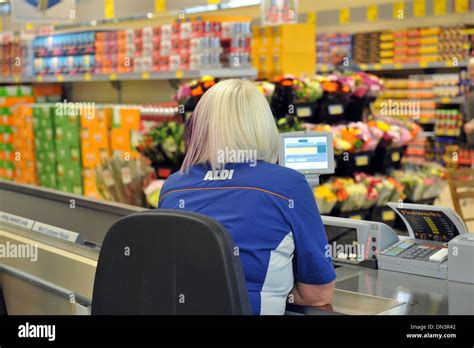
x,y
50,244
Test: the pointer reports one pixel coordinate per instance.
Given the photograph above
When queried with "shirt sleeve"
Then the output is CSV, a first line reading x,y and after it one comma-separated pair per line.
x,y
311,262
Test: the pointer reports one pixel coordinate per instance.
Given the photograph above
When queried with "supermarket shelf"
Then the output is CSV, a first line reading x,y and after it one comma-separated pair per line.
x,y
456,100
166,75
395,67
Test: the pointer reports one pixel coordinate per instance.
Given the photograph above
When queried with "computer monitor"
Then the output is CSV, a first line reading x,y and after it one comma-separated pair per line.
x,y
310,153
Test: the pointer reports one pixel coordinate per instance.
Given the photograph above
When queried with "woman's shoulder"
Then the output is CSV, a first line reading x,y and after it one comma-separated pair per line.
x,y
281,178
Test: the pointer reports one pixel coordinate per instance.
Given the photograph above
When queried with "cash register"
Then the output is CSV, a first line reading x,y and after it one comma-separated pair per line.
x,y
431,229
349,241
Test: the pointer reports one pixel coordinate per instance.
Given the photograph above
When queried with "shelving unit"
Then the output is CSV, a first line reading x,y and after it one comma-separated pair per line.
x,y
168,75
396,67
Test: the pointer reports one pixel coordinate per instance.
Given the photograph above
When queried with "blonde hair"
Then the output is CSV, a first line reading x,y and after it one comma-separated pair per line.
x,y
232,115
470,63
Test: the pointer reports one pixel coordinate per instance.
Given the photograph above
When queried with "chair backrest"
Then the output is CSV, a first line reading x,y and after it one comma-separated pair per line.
x,y
461,185
169,262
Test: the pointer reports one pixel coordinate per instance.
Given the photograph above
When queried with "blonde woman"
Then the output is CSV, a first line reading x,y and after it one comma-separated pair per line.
x,y
229,173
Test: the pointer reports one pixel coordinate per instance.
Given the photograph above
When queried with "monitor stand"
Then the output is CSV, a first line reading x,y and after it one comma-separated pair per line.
x,y
313,180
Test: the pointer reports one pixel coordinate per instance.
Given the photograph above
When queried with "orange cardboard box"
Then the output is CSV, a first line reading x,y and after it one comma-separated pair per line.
x,y
89,175
90,157
101,118
130,119
10,101
99,137
121,139
7,120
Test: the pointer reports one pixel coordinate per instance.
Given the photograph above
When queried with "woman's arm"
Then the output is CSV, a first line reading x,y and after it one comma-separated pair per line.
x,y
312,295
314,273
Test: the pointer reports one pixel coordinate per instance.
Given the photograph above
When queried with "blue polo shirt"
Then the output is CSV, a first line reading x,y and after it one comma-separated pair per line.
x,y
272,216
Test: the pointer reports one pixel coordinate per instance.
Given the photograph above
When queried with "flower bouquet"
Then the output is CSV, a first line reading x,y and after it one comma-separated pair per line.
x,y
325,198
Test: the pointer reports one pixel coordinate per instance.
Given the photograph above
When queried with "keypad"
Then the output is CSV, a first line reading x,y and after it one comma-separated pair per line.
x,y
411,250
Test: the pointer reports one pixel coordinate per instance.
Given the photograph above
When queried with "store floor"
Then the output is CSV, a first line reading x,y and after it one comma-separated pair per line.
x,y
445,200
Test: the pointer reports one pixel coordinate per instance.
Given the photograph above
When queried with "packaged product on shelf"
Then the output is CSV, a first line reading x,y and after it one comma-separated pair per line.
x,y
10,97
95,145
71,53
24,145
43,124
15,55
68,149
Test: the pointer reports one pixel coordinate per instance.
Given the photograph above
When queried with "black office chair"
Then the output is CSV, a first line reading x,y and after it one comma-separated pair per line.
x,y
169,262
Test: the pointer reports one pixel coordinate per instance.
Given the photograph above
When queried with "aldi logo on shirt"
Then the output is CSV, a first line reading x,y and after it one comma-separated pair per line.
x,y
219,175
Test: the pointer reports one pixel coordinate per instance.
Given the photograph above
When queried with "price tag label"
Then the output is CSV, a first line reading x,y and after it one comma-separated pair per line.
x,y
146,75
372,13
303,111
399,10
397,66
363,66
311,19
424,65
108,178
39,78
60,78
395,156
377,66
87,76
324,68
361,161
388,215
445,100
160,6
439,7
113,77
344,16
179,74
17,78
213,2
356,217
109,9
461,6
419,8
126,176
335,110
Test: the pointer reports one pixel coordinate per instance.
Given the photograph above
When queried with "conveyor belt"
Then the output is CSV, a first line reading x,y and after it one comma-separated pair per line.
x,y
88,217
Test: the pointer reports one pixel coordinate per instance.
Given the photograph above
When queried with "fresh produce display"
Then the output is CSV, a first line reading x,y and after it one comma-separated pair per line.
x,y
365,136
124,181
164,146
361,192
422,182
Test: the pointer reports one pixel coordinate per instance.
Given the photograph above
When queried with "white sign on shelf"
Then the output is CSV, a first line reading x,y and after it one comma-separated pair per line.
x,y
55,232
16,220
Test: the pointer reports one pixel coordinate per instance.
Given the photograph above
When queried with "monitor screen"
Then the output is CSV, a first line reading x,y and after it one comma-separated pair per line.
x,y
306,153
430,225
341,235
